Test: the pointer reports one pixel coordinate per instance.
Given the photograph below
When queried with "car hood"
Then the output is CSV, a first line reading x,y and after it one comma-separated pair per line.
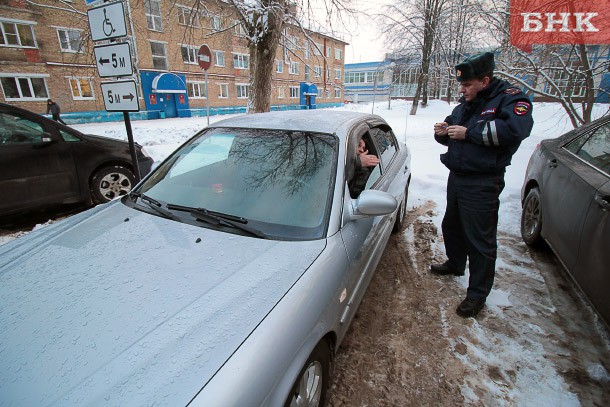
x,y
116,306
107,141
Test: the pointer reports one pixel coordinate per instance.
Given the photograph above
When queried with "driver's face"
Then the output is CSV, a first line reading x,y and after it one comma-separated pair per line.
x,y
361,147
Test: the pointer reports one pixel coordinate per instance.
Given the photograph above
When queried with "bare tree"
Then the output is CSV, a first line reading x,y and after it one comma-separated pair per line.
x,y
568,74
264,23
416,23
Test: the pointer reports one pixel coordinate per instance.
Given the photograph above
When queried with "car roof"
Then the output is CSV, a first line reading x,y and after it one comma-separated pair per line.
x,y
321,121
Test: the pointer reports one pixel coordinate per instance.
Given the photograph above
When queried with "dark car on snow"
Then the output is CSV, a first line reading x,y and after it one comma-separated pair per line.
x,y
566,203
44,164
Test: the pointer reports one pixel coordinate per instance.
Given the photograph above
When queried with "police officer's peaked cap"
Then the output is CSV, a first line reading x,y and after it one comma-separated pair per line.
x,y
475,66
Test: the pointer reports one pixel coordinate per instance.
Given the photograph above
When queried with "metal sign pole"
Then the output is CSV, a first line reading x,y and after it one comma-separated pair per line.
x,y
207,96
132,147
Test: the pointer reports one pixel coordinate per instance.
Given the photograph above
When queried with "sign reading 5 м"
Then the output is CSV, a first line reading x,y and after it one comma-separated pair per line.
x,y
113,60
120,96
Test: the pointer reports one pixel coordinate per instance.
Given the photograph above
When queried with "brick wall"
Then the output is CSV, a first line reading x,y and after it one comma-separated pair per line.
x,y
48,58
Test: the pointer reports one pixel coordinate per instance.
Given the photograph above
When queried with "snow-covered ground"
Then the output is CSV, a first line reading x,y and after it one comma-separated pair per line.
x,y
541,382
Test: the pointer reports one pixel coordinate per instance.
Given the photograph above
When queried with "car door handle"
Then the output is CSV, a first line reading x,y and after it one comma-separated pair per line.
x,y
553,163
603,201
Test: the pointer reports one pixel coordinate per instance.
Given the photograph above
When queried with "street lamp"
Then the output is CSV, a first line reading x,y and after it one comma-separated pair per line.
x,y
376,75
391,67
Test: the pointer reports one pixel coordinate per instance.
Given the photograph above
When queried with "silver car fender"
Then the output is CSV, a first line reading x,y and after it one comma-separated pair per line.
x,y
264,368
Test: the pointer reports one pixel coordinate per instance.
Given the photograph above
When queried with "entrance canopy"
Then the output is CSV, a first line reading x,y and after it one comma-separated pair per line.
x,y
310,89
168,82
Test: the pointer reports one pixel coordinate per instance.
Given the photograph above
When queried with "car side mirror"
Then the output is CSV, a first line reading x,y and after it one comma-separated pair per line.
x,y
370,203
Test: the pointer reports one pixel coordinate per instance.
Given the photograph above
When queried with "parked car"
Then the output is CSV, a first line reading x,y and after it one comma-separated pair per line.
x,y
45,164
566,198
227,277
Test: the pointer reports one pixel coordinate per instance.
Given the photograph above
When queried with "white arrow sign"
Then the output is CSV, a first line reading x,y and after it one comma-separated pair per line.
x,y
113,60
107,21
120,96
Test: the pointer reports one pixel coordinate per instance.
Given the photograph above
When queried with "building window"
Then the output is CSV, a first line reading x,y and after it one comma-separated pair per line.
x,y
24,88
17,35
216,23
197,90
337,93
329,52
306,50
292,42
152,8
189,54
224,91
159,55
188,16
317,71
327,73
281,92
307,73
338,54
220,58
241,61
362,77
243,90
279,66
294,68
239,29
70,40
81,88
337,73
294,92
317,49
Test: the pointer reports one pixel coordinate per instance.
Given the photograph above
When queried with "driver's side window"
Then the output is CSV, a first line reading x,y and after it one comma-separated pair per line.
x,y
16,130
361,177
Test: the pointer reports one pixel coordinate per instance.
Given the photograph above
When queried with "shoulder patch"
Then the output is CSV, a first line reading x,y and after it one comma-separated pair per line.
x,y
512,91
522,108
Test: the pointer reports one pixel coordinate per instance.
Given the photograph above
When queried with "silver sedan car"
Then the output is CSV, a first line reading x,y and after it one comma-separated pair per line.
x,y
227,277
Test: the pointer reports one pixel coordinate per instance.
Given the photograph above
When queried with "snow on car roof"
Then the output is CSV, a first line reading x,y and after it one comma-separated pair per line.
x,y
323,121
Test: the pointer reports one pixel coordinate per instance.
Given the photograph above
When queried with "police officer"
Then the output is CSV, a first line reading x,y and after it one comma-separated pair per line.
x,y
482,134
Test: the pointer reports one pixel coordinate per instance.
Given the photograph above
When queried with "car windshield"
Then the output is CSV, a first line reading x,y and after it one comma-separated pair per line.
x,y
278,181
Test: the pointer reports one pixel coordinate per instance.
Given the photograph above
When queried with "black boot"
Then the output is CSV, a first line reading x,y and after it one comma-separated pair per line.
x,y
470,307
445,269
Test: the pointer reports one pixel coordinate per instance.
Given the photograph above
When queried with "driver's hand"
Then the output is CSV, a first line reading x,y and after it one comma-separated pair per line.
x,y
368,160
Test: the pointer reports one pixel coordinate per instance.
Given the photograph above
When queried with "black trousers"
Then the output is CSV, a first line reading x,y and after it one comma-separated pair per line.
x,y
58,119
470,227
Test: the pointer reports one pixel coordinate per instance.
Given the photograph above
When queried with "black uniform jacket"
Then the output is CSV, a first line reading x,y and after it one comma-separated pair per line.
x,y
497,121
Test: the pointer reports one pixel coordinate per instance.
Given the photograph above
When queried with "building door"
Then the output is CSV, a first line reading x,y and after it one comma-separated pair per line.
x,y
169,106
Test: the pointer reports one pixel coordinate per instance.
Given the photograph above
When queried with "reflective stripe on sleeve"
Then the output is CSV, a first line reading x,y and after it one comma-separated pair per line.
x,y
486,136
494,133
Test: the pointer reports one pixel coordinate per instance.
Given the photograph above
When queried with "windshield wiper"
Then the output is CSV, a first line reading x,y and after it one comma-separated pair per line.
x,y
155,205
219,218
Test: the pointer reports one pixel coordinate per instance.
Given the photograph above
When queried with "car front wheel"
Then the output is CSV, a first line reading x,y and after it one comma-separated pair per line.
x,y
531,218
402,212
109,183
309,390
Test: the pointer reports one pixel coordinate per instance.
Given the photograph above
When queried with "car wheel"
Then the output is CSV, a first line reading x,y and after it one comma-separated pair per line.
x,y
402,212
309,390
109,183
531,218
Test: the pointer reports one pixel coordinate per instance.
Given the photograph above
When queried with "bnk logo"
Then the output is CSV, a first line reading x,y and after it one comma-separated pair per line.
x,y
559,22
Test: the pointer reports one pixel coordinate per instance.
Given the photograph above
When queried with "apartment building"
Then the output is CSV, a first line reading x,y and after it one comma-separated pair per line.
x,y
46,52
